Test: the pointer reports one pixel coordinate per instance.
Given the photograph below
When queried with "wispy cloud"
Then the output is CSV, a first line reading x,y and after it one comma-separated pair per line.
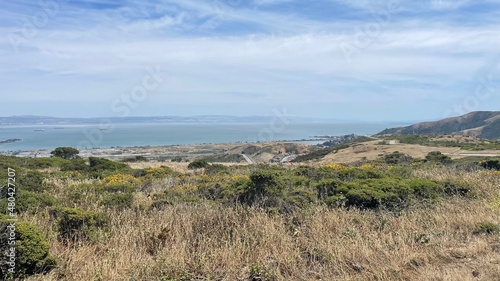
x,y
262,52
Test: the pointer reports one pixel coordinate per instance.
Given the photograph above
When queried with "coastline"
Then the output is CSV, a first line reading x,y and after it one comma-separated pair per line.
x,y
163,153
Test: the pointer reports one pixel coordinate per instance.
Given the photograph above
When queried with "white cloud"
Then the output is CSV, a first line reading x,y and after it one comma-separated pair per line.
x,y
449,4
252,52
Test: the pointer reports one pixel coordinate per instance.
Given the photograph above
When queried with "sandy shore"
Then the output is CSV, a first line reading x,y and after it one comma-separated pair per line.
x,y
162,153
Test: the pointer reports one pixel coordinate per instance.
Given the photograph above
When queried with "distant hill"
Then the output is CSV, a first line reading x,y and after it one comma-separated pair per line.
x,y
47,120
483,124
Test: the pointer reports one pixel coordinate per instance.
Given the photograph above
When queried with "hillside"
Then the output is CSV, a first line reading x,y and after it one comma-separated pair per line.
x,y
393,218
483,124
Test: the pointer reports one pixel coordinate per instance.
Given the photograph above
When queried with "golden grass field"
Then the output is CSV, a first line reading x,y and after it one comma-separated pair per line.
x,y
371,151
210,242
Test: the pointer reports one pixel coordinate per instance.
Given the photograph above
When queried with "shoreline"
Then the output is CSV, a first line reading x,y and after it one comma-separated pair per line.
x,y
187,151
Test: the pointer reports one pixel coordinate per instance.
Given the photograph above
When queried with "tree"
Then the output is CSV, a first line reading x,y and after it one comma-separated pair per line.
x,y
65,152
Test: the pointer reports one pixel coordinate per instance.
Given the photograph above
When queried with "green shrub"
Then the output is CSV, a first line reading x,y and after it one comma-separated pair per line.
x,y
214,169
391,193
119,188
487,228
424,188
83,193
33,181
170,197
327,188
79,225
177,159
27,201
360,173
373,193
293,181
118,200
299,198
75,165
266,182
454,187
42,163
138,158
31,250
438,157
101,165
159,172
397,157
402,172
320,153
139,173
198,164
492,164
263,184
161,203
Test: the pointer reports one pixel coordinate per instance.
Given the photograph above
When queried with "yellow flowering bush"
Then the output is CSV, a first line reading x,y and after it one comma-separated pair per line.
x,y
121,179
366,166
236,178
72,174
158,172
337,167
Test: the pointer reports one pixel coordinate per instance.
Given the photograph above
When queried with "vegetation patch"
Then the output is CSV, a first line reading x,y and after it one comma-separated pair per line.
x,y
31,250
77,225
256,222
320,153
487,228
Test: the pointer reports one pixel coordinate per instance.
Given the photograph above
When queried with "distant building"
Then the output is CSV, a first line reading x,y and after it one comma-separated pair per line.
x,y
393,142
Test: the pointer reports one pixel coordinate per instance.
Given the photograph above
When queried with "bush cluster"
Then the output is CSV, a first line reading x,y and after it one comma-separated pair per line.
x,y
77,225
31,250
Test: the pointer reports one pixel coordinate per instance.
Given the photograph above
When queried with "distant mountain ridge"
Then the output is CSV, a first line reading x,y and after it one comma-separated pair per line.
x,y
47,120
483,124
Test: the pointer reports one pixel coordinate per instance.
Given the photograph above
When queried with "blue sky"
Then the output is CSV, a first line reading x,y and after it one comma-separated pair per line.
x,y
367,60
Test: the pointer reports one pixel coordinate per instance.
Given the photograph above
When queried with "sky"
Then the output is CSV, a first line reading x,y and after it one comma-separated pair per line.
x,y
392,60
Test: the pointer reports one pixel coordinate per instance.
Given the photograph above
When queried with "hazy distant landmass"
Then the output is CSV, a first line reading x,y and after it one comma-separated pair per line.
x,y
9,141
47,120
483,124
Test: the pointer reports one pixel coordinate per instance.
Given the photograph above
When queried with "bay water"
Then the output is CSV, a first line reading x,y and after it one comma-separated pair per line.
x,y
36,137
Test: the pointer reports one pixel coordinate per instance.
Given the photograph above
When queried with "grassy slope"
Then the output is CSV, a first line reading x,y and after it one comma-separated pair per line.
x,y
212,242
480,121
329,244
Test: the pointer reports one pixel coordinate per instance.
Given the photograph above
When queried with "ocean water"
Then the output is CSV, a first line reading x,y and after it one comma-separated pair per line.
x,y
129,135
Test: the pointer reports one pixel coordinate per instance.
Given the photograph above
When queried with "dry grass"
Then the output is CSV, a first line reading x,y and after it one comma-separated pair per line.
x,y
181,167
222,244
176,166
371,151
211,242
